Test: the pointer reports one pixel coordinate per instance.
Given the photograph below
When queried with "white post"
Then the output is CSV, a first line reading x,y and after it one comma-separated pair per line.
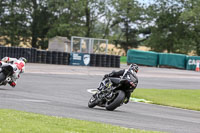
x,y
89,46
81,45
98,47
92,46
106,46
72,38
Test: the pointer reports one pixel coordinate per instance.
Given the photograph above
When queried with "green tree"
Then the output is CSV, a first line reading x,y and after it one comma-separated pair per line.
x,y
127,16
77,18
25,21
167,31
39,21
93,11
69,18
191,18
12,22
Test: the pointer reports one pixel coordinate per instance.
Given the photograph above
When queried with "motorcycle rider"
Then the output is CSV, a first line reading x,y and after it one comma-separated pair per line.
x,y
18,65
118,74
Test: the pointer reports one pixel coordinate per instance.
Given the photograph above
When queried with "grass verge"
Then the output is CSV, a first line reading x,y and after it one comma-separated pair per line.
x,y
12,121
181,98
123,59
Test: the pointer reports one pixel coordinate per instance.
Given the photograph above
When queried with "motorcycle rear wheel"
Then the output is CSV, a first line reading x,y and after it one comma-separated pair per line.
x,y
2,77
117,101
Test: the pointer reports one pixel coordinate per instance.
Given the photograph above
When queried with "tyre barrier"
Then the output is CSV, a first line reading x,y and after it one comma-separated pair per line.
x,y
103,60
66,57
43,56
55,57
39,56
17,52
92,59
1,53
117,61
49,57
34,55
108,60
60,57
98,60
113,61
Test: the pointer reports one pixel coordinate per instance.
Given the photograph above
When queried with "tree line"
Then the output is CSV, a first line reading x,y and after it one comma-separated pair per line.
x,y
162,25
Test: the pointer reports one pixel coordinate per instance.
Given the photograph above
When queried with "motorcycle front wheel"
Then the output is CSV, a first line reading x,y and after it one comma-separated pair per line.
x,y
2,77
116,101
92,102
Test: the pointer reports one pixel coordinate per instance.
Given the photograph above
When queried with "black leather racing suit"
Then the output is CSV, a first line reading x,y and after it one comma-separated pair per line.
x,y
120,73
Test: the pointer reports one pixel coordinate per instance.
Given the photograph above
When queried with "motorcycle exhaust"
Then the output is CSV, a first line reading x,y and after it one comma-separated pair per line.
x,y
8,79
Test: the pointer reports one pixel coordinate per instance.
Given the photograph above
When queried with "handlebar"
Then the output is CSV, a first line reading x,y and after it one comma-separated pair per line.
x,y
126,71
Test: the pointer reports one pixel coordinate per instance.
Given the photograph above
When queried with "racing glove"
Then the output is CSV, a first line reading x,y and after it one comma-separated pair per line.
x,y
105,76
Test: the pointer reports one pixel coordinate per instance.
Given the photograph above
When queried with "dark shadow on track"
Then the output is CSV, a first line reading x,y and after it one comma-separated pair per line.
x,y
103,109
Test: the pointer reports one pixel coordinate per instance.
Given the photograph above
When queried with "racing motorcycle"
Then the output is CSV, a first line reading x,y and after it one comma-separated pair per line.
x,y
112,92
6,72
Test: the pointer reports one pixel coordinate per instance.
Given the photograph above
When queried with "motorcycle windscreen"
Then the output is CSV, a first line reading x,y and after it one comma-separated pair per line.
x,y
132,78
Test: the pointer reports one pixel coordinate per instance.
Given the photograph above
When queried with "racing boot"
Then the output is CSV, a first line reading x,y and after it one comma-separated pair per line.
x,y
126,100
13,84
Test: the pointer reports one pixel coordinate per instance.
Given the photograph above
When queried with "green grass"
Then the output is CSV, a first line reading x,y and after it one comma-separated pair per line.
x,y
123,59
12,121
181,98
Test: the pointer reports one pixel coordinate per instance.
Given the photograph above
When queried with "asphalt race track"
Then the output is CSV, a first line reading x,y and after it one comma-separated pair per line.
x,y
61,90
